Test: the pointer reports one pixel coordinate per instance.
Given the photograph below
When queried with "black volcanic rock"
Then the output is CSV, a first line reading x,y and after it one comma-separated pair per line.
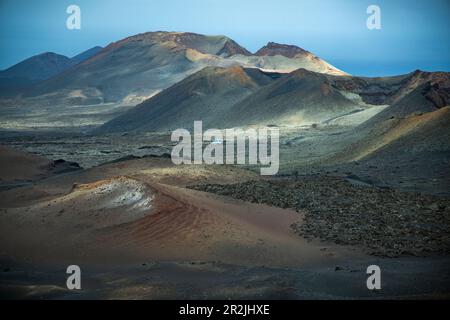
x,y
62,166
335,210
417,92
437,91
273,48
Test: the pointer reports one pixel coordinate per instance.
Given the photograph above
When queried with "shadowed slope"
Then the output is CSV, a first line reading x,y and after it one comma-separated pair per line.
x,y
17,166
207,95
300,97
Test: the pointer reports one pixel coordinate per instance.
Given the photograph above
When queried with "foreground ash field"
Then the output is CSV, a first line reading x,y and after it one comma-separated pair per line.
x,y
86,176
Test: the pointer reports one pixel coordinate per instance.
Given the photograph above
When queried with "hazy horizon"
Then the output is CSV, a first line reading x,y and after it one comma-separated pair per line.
x,y
413,35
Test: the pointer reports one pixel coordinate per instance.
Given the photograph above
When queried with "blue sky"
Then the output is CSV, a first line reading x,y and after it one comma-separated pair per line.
x,y
414,35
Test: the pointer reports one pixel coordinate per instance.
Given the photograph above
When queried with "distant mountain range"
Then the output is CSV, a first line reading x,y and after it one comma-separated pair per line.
x,y
171,79
137,67
41,67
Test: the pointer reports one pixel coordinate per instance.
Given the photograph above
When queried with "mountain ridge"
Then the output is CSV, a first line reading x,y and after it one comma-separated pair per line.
x,y
273,48
38,68
134,68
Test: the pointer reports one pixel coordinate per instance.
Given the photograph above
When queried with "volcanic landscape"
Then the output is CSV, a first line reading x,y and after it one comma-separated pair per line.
x,y
86,176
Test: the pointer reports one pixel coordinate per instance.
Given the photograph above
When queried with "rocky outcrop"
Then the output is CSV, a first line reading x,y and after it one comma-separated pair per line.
x,y
385,222
273,48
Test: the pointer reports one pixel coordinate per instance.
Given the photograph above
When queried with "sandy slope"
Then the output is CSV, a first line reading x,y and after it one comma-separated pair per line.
x,y
20,168
16,165
147,217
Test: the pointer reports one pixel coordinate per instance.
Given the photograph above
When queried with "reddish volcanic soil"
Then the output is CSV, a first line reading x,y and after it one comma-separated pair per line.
x,y
124,219
137,232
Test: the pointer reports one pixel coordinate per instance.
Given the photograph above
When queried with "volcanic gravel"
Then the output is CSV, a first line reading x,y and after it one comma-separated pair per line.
x,y
385,222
